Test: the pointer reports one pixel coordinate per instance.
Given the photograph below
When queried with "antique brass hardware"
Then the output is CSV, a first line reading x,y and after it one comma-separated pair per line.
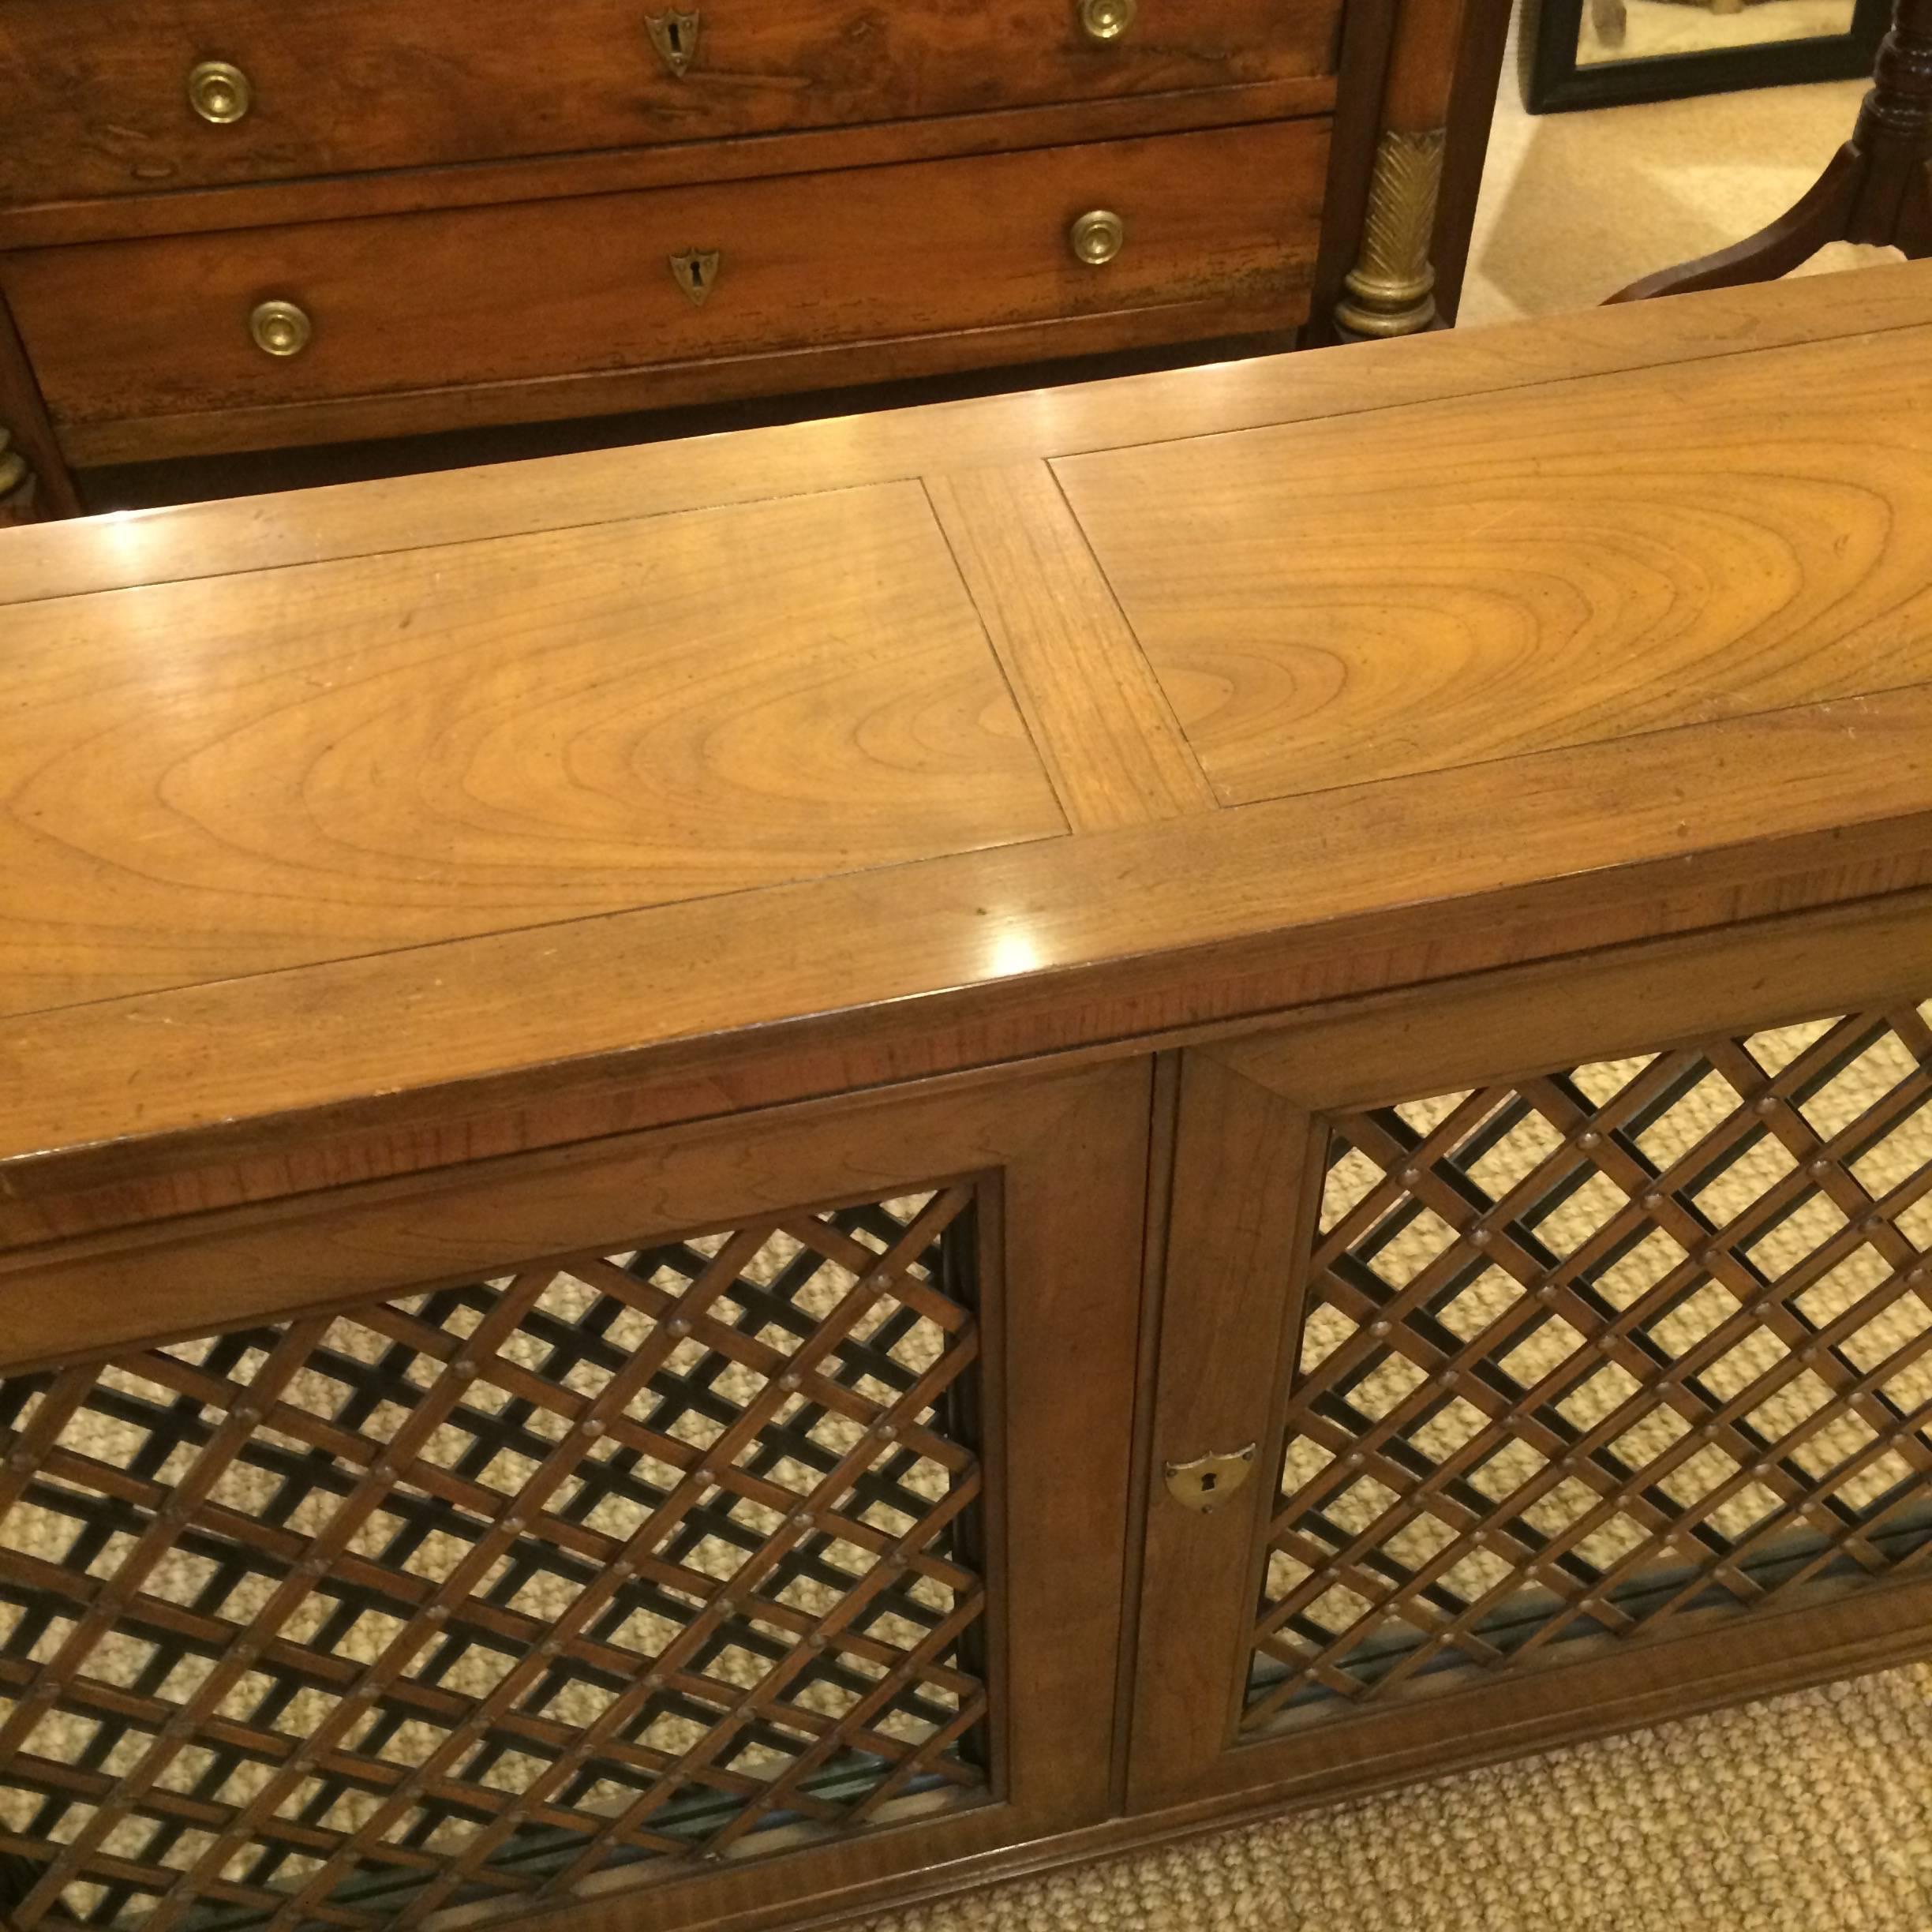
x,y
219,92
1107,20
675,37
696,273
1098,238
1204,1483
280,328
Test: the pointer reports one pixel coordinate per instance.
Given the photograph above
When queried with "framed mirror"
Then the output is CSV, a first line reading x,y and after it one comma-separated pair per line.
x,y
1598,53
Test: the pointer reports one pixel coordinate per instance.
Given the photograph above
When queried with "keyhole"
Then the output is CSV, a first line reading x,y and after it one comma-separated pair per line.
x,y
697,276
1207,1482
676,34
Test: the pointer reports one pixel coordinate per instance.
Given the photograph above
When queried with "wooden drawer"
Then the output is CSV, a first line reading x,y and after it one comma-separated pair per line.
x,y
538,293
343,85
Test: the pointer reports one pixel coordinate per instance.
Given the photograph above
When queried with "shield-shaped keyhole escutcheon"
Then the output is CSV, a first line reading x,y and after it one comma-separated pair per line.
x,y
696,273
675,37
1207,1481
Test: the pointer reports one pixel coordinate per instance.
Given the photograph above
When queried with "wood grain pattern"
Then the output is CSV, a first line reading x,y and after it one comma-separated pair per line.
x,y
342,86
1484,579
1619,1000
166,1102
356,520
813,150
252,772
1237,1210
1106,736
157,327
1422,65
1073,1297
957,964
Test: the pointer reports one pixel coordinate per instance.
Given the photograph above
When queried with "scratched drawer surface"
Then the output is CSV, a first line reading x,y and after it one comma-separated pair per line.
x,y
183,328
128,95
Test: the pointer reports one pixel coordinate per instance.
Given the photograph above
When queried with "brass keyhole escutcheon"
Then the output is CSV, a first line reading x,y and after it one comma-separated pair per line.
x,y
696,274
1107,20
280,328
1203,1485
219,93
675,37
1097,238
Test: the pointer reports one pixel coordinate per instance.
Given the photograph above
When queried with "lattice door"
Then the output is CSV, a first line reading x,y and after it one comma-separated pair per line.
x,y
1637,1342
1634,1349
631,1559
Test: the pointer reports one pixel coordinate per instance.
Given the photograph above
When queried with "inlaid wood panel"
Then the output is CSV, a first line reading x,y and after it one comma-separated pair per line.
x,y
317,762
346,85
1477,580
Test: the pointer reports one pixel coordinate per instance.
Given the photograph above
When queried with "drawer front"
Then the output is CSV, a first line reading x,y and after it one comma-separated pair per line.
x,y
536,291
343,85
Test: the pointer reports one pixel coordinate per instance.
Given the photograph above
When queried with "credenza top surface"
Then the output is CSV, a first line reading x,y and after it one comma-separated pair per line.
x,y
411,787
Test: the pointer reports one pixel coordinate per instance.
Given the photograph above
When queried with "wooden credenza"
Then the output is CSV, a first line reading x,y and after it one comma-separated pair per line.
x,y
741,1180
229,226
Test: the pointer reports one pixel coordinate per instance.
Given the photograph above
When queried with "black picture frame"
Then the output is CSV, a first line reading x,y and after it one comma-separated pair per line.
x,y
1553,82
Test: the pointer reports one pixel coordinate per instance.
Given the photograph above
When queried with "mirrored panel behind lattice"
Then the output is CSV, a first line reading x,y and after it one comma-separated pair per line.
x,y
506,1591
1606,1355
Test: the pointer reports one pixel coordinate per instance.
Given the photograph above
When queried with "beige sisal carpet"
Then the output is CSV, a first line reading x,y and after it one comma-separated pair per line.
x,y
1805,1813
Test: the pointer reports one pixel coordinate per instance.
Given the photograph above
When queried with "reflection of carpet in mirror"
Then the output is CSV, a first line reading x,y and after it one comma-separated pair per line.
x,y
1655,28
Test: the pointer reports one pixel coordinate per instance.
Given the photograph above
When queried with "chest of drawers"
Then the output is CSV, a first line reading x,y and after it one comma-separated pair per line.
x,y
229,226
743,1180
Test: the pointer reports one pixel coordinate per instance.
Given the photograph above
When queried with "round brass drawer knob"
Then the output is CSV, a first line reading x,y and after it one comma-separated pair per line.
x,y
1098,238
1107,20
280,328
219,92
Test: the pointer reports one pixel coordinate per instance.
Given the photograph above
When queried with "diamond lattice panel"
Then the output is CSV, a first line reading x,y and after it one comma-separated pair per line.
x,y
621,1560
1595,1354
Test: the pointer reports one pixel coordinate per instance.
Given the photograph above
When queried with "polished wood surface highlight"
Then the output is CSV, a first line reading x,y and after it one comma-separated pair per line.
x,y
250,773
1780,756
1361,381
1484,579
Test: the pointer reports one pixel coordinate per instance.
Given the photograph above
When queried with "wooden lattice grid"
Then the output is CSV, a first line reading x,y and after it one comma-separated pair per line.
x,y
1611,1352
617,1559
